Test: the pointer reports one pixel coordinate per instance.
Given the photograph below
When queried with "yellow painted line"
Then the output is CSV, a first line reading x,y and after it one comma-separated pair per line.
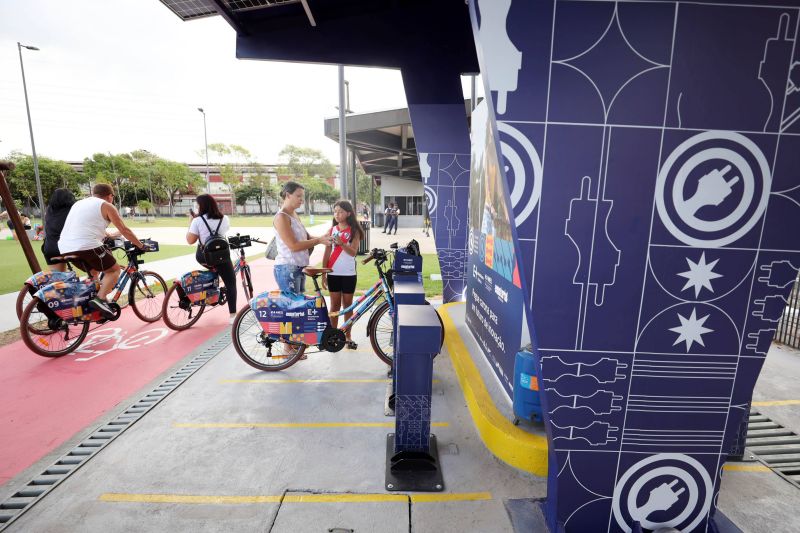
x,y
297,425
776,402
745,468
295,498
507,442
283,381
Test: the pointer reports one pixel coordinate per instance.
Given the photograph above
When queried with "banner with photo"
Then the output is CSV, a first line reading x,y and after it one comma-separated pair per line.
x,y
494,293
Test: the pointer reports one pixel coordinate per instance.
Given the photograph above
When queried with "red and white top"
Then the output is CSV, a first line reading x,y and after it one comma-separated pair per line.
x,y
342,263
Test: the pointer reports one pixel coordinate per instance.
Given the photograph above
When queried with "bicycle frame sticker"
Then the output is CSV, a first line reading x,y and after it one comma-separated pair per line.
x,y
201,285
70,301
46,277
293,317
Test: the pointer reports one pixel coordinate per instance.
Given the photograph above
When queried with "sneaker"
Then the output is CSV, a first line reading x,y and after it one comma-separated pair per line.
x,y
99,305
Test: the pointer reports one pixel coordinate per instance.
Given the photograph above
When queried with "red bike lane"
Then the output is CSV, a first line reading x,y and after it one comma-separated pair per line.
x,y
44,402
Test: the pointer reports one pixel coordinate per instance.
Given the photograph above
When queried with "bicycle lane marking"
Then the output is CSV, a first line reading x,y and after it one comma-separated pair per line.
x,y
44,402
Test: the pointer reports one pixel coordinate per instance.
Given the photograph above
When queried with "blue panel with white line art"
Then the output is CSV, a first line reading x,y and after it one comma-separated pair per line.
x,y
662,140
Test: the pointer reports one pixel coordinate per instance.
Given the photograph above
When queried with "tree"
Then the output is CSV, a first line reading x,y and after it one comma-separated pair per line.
x,y
53,174
117,170
174,177
259,178
327,194
146,206
245,192
305,162
231,159
364,189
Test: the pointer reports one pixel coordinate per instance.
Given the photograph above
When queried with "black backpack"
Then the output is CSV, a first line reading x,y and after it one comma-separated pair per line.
x,y
216,250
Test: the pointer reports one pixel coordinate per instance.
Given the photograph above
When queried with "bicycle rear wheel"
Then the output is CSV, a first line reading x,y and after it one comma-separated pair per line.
x,y
143,296
23,298
178,312
258,350
42,340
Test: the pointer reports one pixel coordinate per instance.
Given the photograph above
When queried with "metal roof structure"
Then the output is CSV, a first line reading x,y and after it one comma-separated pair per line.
x,y
383,142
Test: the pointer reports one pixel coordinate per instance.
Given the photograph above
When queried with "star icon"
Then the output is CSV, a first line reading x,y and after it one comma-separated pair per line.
x,y
691,330
700,275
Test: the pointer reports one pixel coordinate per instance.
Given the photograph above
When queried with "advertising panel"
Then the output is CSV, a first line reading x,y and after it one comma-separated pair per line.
x,y
494,294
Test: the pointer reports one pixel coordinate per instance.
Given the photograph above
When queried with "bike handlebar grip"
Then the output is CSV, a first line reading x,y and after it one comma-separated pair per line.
x,y
367,260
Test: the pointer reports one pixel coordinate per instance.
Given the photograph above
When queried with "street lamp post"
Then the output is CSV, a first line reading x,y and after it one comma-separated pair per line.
x,y
20,46
205,135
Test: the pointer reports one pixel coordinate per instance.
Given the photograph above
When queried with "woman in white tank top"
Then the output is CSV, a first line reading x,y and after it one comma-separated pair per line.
x,y
294,242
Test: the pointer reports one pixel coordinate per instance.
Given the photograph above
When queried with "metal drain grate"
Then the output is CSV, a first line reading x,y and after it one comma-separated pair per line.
x,y
775,446
41,485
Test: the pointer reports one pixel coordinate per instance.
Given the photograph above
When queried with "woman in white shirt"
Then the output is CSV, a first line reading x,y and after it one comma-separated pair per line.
x,y
209,221
294,242
340,256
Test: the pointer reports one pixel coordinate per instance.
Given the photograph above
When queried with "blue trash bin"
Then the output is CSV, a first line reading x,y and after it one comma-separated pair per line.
x,y
527,403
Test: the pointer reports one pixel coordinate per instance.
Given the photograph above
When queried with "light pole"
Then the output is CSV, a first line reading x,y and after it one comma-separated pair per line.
x,y
205,135
342,136
30,127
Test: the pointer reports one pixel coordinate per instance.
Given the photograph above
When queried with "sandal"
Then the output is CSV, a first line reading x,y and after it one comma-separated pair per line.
x,y
351,345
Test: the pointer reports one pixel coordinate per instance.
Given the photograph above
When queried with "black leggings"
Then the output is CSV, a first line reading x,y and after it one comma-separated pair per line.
x,y
225,271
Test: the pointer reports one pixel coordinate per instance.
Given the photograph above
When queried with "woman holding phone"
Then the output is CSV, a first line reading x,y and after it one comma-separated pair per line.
x,y
340,255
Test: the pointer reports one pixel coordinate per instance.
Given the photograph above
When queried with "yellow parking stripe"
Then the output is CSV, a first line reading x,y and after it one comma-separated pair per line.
x,y
776,402
294,498
746,468
280,381
295,425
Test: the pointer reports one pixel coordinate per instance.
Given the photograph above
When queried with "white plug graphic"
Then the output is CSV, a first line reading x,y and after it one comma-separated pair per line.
x,y
503,60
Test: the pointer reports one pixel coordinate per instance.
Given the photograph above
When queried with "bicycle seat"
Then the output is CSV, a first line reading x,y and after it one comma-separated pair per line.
x,y
314,272
65,259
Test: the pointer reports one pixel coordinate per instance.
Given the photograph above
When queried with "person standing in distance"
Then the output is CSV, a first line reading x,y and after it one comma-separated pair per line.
x,y
207,221
294,242
340,256
83,234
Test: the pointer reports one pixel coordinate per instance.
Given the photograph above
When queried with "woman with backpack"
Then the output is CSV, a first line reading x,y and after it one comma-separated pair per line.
x,y
209,228
340,256
57,210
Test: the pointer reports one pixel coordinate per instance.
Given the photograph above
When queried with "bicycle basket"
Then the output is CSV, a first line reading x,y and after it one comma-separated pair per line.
x,y
201,285
70,300
293,317
46,277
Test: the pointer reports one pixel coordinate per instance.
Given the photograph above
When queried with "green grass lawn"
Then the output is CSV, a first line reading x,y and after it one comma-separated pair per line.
x,y
368,275
237,221
15,269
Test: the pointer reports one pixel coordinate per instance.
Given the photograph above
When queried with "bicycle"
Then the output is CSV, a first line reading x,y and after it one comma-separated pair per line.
x,y
189,295
130,273
57,318
264,333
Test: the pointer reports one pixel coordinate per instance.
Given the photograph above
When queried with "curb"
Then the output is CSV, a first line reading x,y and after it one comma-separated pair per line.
x,y
507,442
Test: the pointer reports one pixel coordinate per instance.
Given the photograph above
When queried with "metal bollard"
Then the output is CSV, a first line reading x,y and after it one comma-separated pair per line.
x,y
412,457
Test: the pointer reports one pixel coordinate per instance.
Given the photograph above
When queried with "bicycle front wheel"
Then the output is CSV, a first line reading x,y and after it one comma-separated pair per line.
x,y
380,330
178,312
143,296
247,284
41,340
258,350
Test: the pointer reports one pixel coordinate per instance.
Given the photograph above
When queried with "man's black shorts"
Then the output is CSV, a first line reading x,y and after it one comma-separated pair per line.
x,y
345,284
99,259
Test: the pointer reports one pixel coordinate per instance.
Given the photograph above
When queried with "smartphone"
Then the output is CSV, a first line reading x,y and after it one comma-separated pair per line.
x,y
191,212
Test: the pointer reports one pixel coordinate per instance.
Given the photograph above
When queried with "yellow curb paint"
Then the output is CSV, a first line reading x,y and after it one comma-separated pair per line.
x,y
296,425
283,381
507,442
775,402
295,498
745,468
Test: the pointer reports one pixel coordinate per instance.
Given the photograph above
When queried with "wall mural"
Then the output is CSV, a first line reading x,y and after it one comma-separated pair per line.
x,y
651,154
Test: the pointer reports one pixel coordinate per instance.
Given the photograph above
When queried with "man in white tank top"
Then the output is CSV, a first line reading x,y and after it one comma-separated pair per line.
x,y
83,234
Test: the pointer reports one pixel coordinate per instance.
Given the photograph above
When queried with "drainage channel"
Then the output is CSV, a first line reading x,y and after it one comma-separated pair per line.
x,y
775,446
41,485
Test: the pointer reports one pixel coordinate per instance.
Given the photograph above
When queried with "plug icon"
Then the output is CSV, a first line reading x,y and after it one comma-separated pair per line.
x,y
712,189
779,274
661,498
